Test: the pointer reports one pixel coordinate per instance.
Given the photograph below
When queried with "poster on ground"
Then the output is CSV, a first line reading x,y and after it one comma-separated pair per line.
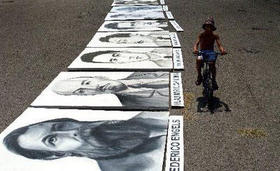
x,y
107,90
131,26
135,2
131,39
132,8
123,59
52,139
152,15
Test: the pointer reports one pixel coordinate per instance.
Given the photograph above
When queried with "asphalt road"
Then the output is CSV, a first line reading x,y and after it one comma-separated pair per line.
x,y
39,39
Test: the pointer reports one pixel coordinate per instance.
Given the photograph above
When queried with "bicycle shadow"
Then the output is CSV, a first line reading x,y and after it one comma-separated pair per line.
x,y
215,105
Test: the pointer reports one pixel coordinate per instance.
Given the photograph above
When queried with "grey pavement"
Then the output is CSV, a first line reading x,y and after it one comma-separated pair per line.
x,y
39,39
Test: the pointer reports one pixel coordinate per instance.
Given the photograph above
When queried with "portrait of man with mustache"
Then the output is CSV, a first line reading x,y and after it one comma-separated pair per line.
x,y
132,8
115,144
107,90
138,15
131,39
136,2
143,89
138,25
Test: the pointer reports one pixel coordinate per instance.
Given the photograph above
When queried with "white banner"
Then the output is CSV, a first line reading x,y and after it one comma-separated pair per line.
x,y
178,58
107,90
130,39
174,39
92,59
169,15
176,25
65,129
153,15
132,26
138,2
138,8
176,88
175,145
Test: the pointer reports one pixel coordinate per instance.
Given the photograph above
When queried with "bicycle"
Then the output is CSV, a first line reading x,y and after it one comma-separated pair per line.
x,y
207,80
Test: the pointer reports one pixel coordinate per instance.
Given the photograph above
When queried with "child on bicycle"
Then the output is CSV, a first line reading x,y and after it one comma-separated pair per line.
x,y
206,40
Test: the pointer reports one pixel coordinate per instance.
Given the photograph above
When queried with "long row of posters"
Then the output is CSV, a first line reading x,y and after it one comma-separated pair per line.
x,y
110,111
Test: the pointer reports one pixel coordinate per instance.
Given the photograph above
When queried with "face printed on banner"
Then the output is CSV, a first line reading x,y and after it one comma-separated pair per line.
x,y
143,25
136,8
133,90
138,88
64,137
125,15
115,57
127,39
52,136
123,40
138,15
136,38
88,86
97,139
128,25
160,56
120,58
136,2
146,23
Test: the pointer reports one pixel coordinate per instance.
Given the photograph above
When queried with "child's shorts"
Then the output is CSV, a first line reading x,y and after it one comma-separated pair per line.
x,y
209,55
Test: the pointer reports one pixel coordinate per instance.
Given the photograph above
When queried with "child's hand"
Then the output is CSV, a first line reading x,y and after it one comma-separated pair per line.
x,y
223,52
195,52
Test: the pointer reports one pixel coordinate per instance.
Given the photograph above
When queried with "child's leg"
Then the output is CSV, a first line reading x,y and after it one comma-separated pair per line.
x,y
198,68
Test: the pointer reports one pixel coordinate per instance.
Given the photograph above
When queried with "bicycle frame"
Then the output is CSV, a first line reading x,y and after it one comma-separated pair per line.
x,y
207,81
207,78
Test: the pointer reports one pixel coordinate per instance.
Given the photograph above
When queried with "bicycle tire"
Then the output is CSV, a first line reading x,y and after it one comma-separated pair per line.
x,y
207,84
210,89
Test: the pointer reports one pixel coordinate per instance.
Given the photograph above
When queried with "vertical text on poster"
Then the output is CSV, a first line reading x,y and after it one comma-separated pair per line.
x,y
175,145
176,87
174,39
178,63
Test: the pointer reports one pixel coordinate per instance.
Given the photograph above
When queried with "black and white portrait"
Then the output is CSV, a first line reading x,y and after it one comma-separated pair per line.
x,y
118,90
131,8
138,25
84,139
123,59
131,39
138,15
135,2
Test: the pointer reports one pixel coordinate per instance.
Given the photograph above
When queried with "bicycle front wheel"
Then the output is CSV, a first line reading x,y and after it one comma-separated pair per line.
x,y
210,89
208,86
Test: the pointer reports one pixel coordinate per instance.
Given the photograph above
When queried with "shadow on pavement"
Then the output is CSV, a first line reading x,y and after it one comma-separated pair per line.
x,y
215,105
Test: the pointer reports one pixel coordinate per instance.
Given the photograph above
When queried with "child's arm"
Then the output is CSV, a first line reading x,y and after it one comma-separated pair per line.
x,y
195,48
221,48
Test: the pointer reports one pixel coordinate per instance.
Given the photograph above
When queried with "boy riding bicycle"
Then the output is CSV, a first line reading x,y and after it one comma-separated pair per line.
x,y
206,40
